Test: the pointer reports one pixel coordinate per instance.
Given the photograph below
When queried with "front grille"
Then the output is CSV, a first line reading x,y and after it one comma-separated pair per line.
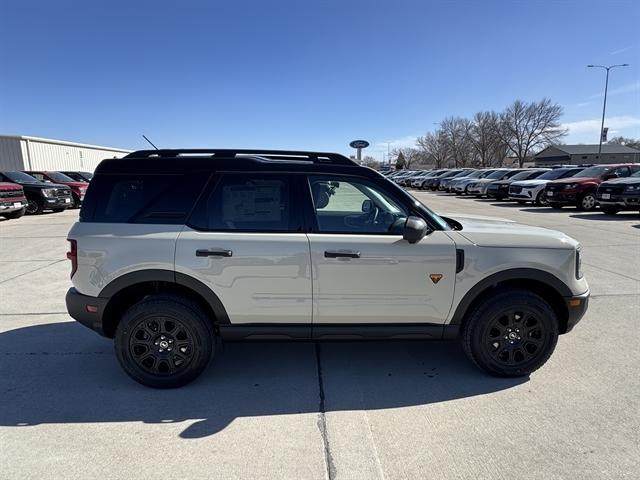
x,y
11,194
62,192
554,188
515,189
616,190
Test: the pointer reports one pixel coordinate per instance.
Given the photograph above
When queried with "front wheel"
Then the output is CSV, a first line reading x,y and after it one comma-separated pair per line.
x,y
587,202
164,341
34,207
510,333
541,199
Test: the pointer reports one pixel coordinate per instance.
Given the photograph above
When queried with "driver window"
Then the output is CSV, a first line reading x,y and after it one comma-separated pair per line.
x,y
354,206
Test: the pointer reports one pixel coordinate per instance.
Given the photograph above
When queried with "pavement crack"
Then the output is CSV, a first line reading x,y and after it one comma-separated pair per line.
x,y
322,419
31,271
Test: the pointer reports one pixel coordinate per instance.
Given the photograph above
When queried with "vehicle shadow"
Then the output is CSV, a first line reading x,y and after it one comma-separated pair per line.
x,y
621,216
63,373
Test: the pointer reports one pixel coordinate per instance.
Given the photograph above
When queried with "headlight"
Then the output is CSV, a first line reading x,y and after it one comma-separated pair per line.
x,y
571,186
632,188
579,262
48,192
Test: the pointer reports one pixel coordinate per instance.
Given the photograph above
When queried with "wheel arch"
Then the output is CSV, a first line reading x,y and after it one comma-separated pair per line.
x,y
548,286
128,289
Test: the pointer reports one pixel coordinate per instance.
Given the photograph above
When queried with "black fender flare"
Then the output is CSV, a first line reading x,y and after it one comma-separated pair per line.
x,y
506,275
169,276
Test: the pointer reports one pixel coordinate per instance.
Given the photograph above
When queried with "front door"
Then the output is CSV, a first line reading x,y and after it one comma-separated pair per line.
x,y
363,270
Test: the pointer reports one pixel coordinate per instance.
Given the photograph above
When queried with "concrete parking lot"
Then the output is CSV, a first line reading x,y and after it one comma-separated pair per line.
x,y
338,410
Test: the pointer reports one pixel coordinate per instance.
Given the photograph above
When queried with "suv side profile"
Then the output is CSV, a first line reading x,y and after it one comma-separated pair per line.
x,y
175,248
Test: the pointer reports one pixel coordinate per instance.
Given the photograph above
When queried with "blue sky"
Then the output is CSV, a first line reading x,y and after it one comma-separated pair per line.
x,y
306,74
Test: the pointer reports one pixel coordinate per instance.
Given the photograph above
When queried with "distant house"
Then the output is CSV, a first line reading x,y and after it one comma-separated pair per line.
x,y
580,154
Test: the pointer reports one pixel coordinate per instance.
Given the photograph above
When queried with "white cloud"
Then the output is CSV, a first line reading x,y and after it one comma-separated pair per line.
x,y
620,50
628,88
587,131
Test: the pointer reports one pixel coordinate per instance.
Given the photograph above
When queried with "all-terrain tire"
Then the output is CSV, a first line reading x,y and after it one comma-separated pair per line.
x,y
510,333
170,321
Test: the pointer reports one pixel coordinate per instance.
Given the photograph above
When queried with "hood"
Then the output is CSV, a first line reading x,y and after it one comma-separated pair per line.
x,y
503,233
77,184
43,185
530,183
625,180
9,186
577,180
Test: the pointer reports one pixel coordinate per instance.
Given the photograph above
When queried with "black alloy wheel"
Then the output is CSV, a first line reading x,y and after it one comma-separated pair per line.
x,y
161,345
33,207
514,336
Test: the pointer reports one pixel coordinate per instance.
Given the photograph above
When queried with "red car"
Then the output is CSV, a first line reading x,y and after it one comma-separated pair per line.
x,y
13,203
78,189
580,190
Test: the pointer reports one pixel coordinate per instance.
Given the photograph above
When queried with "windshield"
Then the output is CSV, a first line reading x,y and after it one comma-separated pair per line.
x,y
20,177
59,177
554,174
475,174
497,174
464,173
593,171
486,173
525,175
637,174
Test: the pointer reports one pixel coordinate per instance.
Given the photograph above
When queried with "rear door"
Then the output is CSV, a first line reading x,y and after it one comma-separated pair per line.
x,y
363,270
245,241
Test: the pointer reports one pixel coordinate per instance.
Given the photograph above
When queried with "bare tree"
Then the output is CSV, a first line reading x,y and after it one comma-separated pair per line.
x,y
434,148
488,146
457,135
527,128
369,161
408,157
628,142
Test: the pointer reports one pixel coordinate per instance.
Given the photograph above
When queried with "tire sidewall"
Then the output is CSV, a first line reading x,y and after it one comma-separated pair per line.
x,y
481,321
192,320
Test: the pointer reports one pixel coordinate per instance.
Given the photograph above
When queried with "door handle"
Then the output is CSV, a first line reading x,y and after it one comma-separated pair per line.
x,y
341,254
214,252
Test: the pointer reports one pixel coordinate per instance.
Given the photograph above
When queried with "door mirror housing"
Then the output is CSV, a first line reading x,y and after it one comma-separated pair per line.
x,y
415,228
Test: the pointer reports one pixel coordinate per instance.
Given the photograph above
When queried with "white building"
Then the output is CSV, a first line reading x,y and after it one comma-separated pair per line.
x,y
18,152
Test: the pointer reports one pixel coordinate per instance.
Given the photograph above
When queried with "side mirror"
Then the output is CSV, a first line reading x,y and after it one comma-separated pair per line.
x,y
367,206
415,229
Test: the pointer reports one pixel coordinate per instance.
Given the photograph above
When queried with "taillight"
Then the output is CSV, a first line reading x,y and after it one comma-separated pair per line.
x,y
72,255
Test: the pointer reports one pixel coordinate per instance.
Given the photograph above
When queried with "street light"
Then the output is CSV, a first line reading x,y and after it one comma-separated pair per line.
x,y
604,106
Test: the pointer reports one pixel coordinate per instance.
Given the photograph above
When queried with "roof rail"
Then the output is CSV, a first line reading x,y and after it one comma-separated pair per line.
x,y
291,155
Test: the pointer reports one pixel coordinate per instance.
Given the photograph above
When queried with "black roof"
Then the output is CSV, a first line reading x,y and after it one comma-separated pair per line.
x,y
209,160
607,149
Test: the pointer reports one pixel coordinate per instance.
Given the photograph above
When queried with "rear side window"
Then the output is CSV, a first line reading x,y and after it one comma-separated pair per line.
x,y
164,199
248,203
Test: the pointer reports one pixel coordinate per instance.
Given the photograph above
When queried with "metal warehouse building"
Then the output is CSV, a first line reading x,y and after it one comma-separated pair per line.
x,y
18,152
581,154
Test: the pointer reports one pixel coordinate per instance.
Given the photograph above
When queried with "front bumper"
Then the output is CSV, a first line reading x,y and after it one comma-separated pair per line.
x,y
477,189
12,206
77,304
562,198
524,194
576,307
498,192
627,201
57,202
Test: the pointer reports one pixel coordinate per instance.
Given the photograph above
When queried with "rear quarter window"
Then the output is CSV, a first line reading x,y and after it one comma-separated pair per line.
x,y
163,199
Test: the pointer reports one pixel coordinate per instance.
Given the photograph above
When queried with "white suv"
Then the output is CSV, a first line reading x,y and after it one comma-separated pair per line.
x,y
177,247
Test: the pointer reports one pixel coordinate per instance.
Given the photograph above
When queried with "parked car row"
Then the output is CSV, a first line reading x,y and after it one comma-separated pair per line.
x,y
611,187
33,192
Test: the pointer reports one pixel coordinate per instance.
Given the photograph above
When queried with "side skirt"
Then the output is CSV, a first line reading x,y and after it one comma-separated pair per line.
x,y
335,332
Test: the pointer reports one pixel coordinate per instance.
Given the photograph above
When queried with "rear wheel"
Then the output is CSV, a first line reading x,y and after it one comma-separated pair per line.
x,y
610,210
587,202
164,341
511,333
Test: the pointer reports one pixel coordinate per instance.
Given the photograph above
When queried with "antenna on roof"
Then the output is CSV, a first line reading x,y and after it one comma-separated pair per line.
x,y
150,143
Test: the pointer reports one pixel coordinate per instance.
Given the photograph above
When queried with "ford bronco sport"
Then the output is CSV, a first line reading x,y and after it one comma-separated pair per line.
x,y
175,248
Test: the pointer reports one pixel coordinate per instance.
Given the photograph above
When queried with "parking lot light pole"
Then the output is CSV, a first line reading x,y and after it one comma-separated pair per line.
x,y
604,105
